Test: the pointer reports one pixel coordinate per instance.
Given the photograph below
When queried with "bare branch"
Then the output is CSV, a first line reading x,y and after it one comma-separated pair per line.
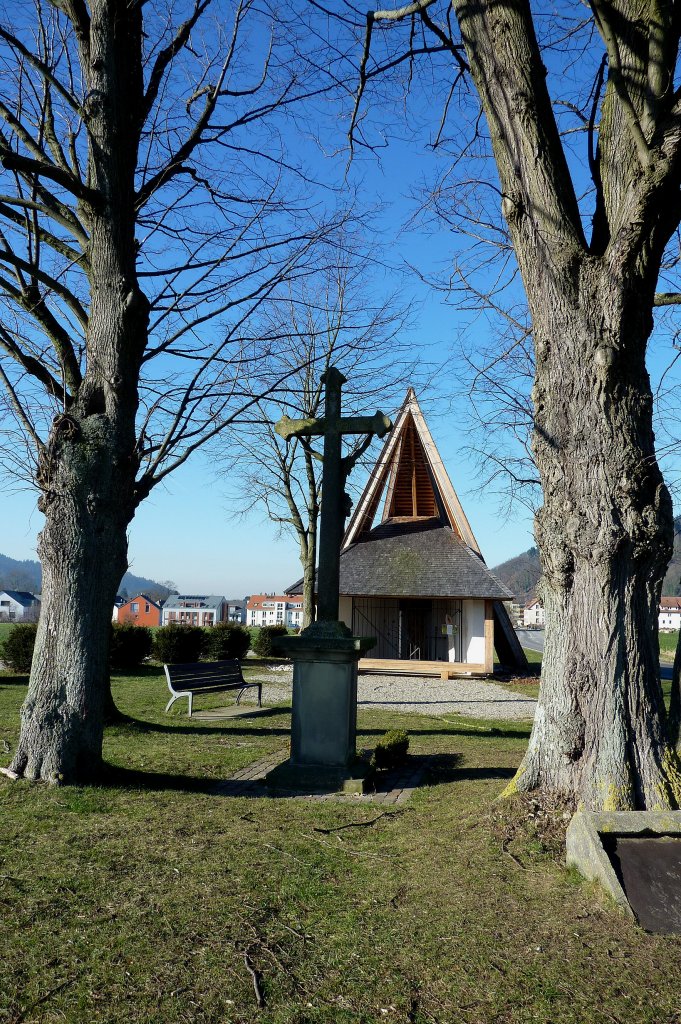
x,y
43,68
609,37
33,367
42,169
168,54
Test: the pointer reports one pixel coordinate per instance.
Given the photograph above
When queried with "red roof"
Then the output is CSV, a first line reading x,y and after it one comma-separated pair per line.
x,y
257,600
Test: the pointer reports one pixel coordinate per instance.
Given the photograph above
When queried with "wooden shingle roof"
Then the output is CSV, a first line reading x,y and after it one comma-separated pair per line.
x,y
407,557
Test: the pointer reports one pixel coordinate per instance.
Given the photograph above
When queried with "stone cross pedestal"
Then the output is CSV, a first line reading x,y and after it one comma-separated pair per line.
x,y
325,655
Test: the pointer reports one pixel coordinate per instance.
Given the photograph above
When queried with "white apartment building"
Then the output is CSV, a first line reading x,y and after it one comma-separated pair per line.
x,y
275,610
670,613
533,614
194,610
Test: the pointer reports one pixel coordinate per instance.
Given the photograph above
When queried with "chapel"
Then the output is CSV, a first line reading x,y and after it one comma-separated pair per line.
x,y
411,570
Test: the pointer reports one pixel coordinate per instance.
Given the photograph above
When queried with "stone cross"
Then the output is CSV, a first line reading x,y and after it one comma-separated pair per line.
x,y
334,475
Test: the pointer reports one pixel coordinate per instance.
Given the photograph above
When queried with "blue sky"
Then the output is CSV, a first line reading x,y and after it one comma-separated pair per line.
x,y
184,531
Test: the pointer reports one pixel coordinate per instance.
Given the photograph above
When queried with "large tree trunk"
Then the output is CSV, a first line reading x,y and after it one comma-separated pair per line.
x,y
605,536
605,531
82,549
88,468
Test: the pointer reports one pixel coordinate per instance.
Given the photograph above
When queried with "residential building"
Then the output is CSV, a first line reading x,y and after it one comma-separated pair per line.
x,y
194,610
236,610
670,613
275,610
533,614
141,611
18,606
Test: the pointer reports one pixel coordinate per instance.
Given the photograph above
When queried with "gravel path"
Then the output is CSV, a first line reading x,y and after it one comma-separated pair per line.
x,y
473,698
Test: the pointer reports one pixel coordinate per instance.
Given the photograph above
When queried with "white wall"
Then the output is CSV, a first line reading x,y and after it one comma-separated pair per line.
x,y
345,611
13,611
473,629
534,616
669,618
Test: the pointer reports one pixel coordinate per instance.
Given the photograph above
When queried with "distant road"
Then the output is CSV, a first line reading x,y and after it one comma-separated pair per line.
x,y
533,640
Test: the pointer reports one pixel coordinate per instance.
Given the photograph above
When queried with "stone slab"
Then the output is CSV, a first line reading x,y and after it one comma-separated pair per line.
x,y
650,872
318,778
592,840
394,787
231,711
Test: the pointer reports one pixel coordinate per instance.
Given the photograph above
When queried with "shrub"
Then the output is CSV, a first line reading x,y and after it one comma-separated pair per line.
x,y
226,640
129,645
177,644
391,750
17,650
262,642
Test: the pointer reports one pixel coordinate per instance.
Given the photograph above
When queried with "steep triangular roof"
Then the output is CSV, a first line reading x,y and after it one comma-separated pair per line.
x,y
420,508
410,478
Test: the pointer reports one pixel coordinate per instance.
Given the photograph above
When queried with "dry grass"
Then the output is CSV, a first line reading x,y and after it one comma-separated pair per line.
x,y
147,900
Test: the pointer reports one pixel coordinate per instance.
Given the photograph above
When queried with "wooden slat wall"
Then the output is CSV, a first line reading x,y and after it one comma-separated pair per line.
x,y
413,493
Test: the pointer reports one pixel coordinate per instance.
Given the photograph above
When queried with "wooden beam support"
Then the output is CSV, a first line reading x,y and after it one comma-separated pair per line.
x,y
404,667
489,636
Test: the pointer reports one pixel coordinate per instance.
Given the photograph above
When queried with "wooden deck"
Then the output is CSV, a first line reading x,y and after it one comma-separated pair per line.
x,y
443,669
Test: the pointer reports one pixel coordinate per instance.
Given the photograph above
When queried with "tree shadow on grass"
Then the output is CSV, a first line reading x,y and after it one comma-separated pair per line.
x,y
115,777
13,680
205,727
228,728
445,768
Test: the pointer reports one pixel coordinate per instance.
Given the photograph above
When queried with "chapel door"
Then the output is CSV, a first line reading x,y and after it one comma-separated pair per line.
x,y
415,630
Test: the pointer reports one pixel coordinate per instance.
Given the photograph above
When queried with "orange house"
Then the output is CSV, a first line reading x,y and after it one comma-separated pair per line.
x,y
141,611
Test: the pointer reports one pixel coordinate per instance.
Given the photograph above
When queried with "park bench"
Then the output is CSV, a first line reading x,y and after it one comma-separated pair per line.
x,y
206,677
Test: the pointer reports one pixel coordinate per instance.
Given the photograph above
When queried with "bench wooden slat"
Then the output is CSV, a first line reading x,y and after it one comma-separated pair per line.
x,y
206,677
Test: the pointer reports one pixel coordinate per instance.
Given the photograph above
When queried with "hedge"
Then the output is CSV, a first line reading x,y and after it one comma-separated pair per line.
x,y
177,644
262,642
17,650
226,640
129,645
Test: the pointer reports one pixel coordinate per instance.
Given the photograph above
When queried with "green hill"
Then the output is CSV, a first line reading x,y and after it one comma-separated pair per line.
x,y
521,574
27,575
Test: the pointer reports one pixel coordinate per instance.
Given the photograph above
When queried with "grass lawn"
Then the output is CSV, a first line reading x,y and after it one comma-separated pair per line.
x,y
668,642
141,900
5,629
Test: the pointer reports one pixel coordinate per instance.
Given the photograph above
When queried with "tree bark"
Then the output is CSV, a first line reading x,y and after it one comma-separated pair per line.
x,y
308,557
605,535
82,548
600,736
87,471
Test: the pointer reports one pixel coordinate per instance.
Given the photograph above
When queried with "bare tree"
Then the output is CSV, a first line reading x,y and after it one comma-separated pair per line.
x,y
328,319
591,213
147,207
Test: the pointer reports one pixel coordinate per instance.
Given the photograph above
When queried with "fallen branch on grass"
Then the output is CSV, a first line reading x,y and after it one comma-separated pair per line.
x,y
257,987
505,849
43,999
344,849
361,824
